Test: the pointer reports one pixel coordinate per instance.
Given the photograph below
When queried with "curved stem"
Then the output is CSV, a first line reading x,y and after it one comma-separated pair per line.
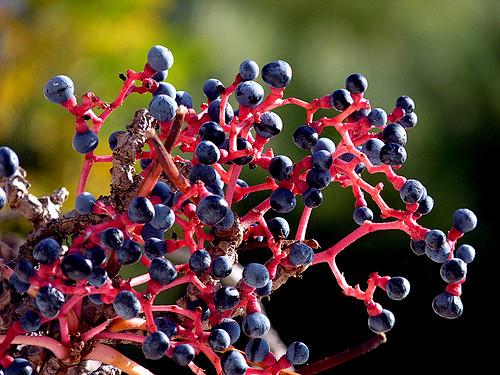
x,y
107,354
337,359
59,350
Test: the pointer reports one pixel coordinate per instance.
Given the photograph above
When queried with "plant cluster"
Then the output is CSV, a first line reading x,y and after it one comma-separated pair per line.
x,y
66,292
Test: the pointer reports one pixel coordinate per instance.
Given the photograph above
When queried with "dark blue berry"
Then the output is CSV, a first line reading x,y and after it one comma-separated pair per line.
x,y
356,83
9,162
277,74
397,287
382,322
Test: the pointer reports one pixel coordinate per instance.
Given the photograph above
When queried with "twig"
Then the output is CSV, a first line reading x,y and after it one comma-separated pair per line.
x,y
337,359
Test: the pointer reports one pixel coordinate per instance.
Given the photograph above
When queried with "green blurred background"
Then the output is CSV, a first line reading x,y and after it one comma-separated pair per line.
x,y
444,54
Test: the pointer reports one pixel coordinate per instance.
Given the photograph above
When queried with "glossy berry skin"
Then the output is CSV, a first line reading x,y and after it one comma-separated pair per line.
x,y
166,326
362,214
85,142
163,108
211,88
141,210
212,209
341,99
425,205
466,252
222,267
3,198
234,363
418,247
312,197
397,288
214,111
162,191
59,89
321,160
226,298
409,120
98,277
249,94
205,310
393,154
111,238
382,322
435,238
207,152
19,366
24,269
406,103
30,321
162,271
356,83
160,58
447,305
129,253
182,354
301,254
305,137
318,178
165,88
231,327
412,191
76,266
183,98
49,301
47,251
155,345
439,255
394,133
453,270
213,132
256,350
18,285
205,173
9,162
371,148
84,203
269,126
265,290
164,217
279,227
281,167
282,200
126,305
297,353
255,275
277,74
200,261
377,117
154,248
249,70
325,144
464,220
219,339
255,324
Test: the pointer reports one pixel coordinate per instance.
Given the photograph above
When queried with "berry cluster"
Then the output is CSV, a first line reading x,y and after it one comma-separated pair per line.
x,y
71,265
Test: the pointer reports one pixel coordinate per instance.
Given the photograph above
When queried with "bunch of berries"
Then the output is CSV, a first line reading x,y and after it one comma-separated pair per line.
x,y
69,268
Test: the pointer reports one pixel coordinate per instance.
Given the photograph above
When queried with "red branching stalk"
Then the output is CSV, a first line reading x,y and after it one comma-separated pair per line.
x,y
191,328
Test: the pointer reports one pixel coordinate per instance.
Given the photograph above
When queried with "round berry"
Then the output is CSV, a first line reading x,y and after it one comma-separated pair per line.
x,y
9,162
356,84
160,58
59,89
